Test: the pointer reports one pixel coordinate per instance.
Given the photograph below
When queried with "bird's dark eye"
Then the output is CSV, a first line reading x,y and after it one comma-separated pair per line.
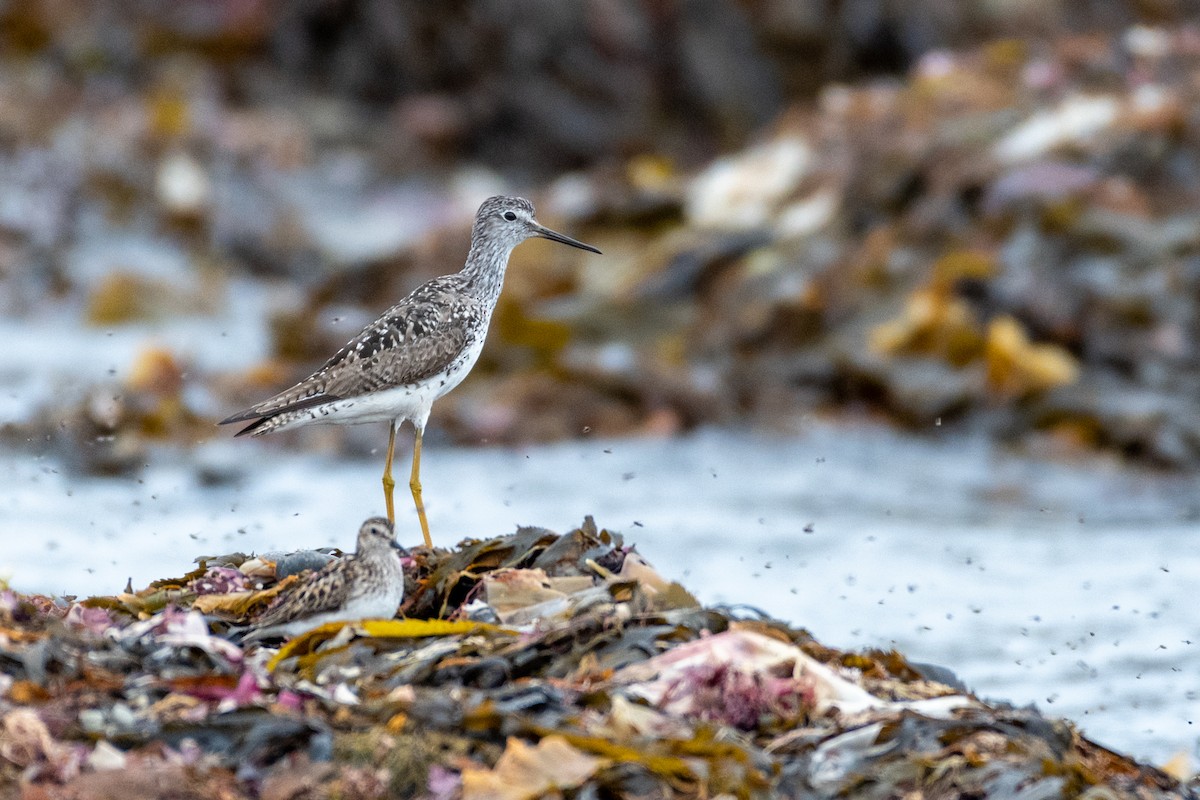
x,y
510,216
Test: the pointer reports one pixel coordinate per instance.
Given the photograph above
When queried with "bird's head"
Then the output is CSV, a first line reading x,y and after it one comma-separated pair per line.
x,y
377,534
508,221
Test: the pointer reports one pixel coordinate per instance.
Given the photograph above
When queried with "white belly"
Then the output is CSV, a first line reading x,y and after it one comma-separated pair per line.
x,y
380,606
390,405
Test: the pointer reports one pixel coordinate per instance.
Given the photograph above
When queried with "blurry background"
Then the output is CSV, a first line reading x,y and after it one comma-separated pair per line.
x,y
895,332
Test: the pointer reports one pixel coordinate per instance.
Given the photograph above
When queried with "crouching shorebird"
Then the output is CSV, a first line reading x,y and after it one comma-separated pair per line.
x,y
419,350
366,585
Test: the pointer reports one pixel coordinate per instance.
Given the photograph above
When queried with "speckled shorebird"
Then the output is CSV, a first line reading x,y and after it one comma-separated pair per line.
x,y
366,585
419,350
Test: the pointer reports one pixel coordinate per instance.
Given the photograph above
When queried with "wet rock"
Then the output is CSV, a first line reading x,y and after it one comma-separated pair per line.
x,y
296,563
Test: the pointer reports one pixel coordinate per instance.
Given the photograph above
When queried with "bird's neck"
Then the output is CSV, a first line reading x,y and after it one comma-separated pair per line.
x,y
483,274
385,563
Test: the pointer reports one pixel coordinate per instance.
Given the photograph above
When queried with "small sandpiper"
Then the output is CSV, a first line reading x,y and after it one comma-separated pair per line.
x,y
366,585
419,350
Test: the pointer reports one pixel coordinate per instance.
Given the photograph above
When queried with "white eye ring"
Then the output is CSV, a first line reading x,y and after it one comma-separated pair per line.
x,y
510,216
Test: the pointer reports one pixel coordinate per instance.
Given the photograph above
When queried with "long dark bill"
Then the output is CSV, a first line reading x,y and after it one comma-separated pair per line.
x,y
555,236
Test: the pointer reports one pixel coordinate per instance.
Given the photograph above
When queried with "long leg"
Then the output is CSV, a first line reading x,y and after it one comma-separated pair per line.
x,y
388,483
414,483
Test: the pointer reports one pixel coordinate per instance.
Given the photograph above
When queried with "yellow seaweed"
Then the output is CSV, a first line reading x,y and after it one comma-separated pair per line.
x,y
382,629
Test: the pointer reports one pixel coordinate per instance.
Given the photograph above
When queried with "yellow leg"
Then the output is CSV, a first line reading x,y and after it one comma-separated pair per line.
x,y
388,483
414,483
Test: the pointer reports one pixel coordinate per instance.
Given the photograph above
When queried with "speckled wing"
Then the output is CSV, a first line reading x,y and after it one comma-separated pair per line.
x,y
327,590
415,339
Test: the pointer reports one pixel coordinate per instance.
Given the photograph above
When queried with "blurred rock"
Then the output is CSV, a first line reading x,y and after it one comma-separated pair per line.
x,y
183,187
110,430
1016,368
747,190
121,298
97,437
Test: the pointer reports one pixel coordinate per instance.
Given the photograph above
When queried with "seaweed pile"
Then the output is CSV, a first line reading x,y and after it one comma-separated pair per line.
x,y
522,666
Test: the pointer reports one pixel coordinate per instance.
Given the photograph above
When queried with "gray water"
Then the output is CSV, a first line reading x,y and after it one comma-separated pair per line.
x,y
1067,586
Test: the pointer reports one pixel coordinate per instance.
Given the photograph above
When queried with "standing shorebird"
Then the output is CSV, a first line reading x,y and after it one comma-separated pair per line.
x,y
419,350
366,585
